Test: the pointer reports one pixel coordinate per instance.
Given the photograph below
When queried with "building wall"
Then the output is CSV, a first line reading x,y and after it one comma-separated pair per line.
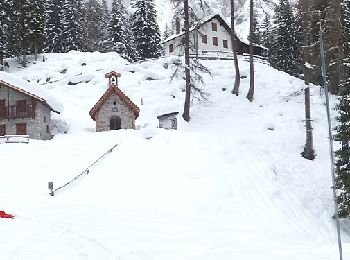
x,y
205,29
36,127
109,109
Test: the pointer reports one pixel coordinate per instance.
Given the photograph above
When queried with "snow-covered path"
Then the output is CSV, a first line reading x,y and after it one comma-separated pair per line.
x,y
231,184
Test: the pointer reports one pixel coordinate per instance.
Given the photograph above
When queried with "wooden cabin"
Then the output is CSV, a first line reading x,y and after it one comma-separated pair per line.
x,y
114,110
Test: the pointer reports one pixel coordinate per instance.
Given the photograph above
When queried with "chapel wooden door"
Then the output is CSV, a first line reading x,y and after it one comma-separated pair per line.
x,y
115,123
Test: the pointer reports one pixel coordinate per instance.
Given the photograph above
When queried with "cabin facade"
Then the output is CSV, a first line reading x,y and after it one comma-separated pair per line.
x,y
22,112
209,38
114,110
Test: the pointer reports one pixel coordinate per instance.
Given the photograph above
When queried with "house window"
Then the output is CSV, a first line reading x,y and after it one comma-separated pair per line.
x,y
214,27
225,44
47,129
204,39
44,119
21,129
2,130
215,41
171,47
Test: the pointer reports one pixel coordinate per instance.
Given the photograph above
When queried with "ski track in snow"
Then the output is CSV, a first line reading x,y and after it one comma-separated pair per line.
x,y
231,184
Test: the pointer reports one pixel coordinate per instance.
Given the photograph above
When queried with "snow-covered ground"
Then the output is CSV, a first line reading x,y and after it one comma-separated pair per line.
x,y
229,185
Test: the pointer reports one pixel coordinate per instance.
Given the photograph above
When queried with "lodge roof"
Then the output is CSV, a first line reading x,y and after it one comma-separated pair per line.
x,y
113,89
204,21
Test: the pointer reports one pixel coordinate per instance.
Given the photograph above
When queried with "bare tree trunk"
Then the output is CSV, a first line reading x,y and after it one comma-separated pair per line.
x,y
235,89
186,113
309,152
250,94
35,51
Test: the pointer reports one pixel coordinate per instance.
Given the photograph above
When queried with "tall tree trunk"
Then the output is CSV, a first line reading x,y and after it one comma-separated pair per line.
x,y
250,94
235,89
35,50
309,152
186,113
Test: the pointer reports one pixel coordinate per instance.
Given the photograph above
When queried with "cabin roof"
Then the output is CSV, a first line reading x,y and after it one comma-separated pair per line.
x,y
30,90
113,89
167,115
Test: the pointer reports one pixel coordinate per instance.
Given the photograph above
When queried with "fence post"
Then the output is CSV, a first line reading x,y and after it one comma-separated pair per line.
x,y
51,189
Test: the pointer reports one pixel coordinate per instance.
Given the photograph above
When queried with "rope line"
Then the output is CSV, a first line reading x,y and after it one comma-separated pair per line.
x,y
87,170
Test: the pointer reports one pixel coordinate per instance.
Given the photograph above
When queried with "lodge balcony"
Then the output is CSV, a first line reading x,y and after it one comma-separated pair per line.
x,y
15,112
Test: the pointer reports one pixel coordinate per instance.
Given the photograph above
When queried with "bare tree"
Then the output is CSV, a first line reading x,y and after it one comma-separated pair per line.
x,y
250,94
186,113
309,152
235,89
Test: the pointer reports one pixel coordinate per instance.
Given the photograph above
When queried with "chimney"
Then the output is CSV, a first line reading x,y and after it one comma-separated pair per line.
x,y
178,25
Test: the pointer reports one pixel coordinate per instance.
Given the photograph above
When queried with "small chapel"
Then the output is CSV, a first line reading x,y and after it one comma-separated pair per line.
x,y
114,110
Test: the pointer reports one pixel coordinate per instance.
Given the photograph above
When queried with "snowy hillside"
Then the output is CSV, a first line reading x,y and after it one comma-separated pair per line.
x,y
231,184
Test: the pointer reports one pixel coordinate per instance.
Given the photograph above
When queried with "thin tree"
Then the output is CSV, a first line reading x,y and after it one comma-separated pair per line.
x,y
250,94
186,113
235,89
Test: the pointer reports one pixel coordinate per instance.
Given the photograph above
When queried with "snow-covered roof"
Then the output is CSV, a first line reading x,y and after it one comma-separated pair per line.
x,y
200,23
30,89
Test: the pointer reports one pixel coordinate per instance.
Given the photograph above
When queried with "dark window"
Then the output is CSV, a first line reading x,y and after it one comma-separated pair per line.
x,y
171,47
214,27
225,44
2,130
215,41
44,119
204,39
47,129
21,129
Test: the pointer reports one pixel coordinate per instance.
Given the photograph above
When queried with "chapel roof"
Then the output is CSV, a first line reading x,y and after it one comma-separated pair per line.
x,y
113,89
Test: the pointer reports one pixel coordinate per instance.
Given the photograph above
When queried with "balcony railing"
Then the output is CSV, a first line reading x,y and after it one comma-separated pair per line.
x,y
14,112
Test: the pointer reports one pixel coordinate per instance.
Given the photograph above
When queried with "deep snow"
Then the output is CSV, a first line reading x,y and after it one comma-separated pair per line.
x,y
229,185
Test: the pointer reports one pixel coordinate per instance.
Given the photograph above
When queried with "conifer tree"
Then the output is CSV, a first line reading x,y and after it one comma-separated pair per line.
x,y
146,30
117,31
93,26
72,34
342,165
33,37
54,13
104,23
4,25
284,41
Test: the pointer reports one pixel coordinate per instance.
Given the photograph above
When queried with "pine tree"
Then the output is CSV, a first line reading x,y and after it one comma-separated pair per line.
x,y
73,34
342,165
285,55
54,13
146,30
117,31
4,24
33,37
104,23
93,26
